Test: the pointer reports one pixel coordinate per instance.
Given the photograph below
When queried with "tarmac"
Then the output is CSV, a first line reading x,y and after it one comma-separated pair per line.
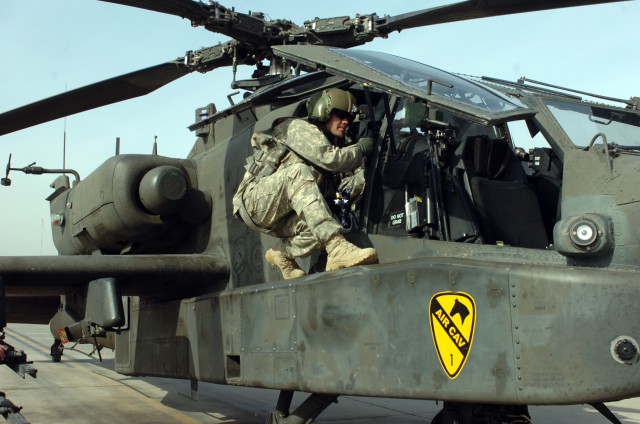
x,y
81,389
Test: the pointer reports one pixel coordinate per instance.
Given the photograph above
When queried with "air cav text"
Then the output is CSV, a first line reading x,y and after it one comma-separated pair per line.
x,y
452,330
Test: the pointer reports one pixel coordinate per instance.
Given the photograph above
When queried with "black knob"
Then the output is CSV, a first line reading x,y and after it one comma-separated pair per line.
x,y
625,350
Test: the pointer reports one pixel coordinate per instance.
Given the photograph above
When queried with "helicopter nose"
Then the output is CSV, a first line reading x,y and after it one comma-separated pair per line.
x,y
163,190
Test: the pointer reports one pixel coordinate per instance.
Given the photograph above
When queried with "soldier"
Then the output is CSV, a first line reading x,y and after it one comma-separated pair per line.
x,y
289,203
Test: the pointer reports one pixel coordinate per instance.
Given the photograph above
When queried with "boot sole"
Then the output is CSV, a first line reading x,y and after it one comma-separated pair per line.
x,y
365,259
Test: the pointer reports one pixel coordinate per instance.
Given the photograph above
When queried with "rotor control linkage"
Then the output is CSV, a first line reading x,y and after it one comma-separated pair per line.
x,y
36,170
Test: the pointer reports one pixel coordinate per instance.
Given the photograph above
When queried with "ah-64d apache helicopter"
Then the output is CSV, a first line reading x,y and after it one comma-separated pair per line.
x,y
491,258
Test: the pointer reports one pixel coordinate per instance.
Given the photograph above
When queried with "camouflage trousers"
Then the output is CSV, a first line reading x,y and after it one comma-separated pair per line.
x,y
290,202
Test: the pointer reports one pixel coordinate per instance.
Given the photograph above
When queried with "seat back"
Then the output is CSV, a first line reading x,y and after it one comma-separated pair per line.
x,y
506,205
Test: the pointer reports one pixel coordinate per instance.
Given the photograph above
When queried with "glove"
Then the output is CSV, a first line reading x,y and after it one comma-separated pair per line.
x,y
366,145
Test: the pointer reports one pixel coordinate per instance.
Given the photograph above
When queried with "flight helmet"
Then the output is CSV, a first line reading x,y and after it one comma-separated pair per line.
x,y
321,105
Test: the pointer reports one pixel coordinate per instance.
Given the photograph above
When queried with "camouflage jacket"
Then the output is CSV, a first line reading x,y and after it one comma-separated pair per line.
x,y
308,144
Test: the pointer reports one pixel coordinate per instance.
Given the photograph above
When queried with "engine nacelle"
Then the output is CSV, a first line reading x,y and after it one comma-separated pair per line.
x,y
130,204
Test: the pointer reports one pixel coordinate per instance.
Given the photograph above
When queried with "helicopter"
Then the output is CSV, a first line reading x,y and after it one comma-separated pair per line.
x,y
226,318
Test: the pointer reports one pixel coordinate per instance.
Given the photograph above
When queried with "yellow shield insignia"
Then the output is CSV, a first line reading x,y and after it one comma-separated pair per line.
x,y
453,321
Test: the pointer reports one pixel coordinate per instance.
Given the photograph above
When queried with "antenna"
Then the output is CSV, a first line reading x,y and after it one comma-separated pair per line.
x,y
64,138
117,146
6,181
64,144
155,145
41,236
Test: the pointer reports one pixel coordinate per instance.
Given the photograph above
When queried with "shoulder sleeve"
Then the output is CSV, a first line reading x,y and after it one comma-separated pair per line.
x,y
308,142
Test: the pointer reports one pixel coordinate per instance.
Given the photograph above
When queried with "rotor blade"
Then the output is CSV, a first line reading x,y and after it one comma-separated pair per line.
x,y
475,9
249,29
194,11
103,93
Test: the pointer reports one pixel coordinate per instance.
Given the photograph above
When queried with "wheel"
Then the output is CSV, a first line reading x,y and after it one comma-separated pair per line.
x,y
446,417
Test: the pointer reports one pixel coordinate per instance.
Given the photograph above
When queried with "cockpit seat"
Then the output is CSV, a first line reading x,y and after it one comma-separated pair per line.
x,y
506,205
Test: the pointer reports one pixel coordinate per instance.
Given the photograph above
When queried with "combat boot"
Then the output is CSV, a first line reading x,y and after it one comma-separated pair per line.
x,y
342,254
288,266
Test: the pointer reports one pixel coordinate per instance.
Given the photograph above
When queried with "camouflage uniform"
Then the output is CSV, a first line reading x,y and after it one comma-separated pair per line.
x,y
289,202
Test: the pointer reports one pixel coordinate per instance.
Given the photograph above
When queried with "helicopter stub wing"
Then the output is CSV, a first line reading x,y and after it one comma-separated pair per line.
x,y
139,275
474,9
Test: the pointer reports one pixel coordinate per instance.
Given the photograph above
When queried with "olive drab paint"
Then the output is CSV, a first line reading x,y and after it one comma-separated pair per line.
x,y
541,248
452,316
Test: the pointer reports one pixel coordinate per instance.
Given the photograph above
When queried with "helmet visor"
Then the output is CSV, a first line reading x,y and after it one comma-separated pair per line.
x,y
341,114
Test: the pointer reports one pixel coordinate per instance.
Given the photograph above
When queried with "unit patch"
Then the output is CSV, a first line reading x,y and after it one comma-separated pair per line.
x,y
453,320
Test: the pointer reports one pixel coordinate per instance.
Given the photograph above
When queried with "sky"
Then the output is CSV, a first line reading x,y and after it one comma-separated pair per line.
x,y
49,46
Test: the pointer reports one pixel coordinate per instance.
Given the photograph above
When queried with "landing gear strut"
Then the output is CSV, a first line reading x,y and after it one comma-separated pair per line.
x,y
305,413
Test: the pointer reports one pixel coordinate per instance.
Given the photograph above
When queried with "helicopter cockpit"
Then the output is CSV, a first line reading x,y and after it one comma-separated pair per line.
x,y
458,159
449,179
441,136
448,167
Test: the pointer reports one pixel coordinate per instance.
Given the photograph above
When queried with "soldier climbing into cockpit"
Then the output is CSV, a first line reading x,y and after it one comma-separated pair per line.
x,y
282,193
